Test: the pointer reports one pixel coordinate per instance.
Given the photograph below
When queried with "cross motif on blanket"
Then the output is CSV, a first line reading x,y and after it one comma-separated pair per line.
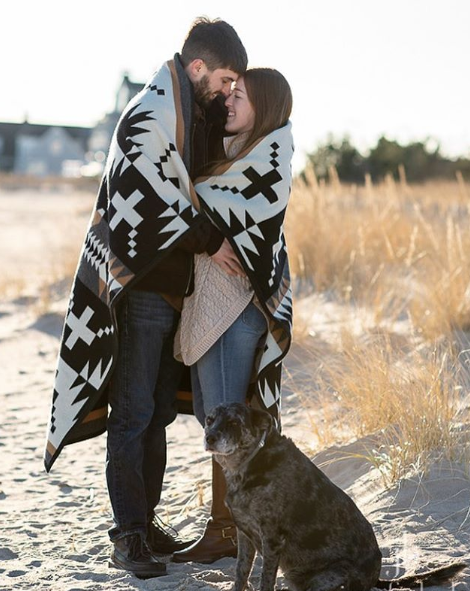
x,y
79,328
125,209
261,184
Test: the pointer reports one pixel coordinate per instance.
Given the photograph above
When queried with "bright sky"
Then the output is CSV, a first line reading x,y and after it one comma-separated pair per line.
x,y
362,67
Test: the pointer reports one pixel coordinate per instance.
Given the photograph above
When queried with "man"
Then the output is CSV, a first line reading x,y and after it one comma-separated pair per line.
x,y
135,269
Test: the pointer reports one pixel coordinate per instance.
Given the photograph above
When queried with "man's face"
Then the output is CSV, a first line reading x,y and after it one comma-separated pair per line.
x,y
212,84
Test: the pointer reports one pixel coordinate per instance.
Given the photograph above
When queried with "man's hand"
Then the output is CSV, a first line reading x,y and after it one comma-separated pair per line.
x,y
226,258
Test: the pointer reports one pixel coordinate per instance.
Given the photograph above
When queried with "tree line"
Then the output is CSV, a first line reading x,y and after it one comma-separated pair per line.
x,y
421,161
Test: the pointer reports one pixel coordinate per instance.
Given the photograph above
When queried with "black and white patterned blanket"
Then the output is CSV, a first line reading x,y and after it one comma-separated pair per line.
x,y
247,200
145,204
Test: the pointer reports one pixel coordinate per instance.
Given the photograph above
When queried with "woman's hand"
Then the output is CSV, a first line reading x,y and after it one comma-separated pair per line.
x,y
226,258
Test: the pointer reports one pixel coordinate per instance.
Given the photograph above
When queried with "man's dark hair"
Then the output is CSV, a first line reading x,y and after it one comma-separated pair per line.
x,y
216,43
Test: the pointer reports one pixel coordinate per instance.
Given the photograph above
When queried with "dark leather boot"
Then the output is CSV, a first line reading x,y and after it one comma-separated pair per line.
x,y
219,539
131,553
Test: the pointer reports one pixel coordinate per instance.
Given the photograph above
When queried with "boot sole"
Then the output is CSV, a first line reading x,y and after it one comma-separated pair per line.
x,y
143,574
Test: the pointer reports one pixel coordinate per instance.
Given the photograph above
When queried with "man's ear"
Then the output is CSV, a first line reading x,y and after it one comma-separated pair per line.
x,y
261,419
196,69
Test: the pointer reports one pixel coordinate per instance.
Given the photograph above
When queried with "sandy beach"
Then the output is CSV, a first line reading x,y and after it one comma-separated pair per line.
x,y
53,532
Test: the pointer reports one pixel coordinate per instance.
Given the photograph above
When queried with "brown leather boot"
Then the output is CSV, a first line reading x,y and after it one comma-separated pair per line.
x,y
219,539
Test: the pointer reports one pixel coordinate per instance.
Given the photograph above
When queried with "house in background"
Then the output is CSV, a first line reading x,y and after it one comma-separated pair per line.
x,y
101,134
41,150
62,150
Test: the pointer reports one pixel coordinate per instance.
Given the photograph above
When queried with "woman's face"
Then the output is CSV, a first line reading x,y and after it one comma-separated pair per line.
x,y
241,115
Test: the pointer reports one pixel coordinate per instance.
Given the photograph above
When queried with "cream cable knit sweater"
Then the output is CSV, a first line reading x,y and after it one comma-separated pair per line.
x,y
217,301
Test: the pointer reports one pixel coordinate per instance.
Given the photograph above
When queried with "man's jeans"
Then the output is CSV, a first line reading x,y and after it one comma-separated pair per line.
x,y
223,373
142,397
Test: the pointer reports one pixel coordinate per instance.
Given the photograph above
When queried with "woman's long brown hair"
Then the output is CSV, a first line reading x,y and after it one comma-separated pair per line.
x,y
271,97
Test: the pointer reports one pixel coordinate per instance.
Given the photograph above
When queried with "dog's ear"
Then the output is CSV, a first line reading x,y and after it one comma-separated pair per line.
x,y
261,419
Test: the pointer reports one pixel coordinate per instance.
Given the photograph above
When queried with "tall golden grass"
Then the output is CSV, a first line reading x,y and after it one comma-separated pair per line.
x,y
402,253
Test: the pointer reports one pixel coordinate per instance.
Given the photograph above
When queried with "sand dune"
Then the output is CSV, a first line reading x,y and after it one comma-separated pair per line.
x,y
53,532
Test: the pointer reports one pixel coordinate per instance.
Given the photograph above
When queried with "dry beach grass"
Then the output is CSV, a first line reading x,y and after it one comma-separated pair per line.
x,y
376,387
395,260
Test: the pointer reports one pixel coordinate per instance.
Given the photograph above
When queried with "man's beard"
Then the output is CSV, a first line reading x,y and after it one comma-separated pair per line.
x,y
202,92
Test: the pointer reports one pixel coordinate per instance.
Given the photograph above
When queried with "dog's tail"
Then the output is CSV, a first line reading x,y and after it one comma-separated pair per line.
x,y
431,577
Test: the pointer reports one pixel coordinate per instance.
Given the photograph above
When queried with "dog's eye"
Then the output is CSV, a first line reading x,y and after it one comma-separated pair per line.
x,y
209,421
233,423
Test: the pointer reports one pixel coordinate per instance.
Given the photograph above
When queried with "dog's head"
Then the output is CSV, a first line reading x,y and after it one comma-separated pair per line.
x,y
235,427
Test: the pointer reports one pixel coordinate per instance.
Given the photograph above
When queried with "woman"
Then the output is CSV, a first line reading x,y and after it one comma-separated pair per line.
x,y
235,327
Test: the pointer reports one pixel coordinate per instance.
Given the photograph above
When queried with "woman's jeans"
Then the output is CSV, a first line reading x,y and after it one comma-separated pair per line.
x,y
223,373
142,397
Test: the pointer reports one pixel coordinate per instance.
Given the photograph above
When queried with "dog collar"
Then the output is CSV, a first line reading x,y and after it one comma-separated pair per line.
x,y
262,441
259,446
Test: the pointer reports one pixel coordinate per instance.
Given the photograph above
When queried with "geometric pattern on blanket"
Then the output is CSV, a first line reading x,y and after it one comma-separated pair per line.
x,y
144,206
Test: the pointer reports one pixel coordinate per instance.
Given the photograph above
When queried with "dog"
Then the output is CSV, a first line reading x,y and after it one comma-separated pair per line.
x,y
289,511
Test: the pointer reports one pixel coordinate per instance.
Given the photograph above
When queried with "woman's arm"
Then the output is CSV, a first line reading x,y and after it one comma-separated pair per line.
x,y
203,237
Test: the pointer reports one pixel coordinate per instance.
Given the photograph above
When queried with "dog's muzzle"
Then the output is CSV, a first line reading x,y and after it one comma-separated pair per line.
x,y
209,442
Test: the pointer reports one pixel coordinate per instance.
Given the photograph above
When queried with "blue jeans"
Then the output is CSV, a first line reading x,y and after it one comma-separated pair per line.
x,y
142,397
223,373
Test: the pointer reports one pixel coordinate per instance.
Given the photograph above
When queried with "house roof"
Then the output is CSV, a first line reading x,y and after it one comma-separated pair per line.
x,y
134,87
37,129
